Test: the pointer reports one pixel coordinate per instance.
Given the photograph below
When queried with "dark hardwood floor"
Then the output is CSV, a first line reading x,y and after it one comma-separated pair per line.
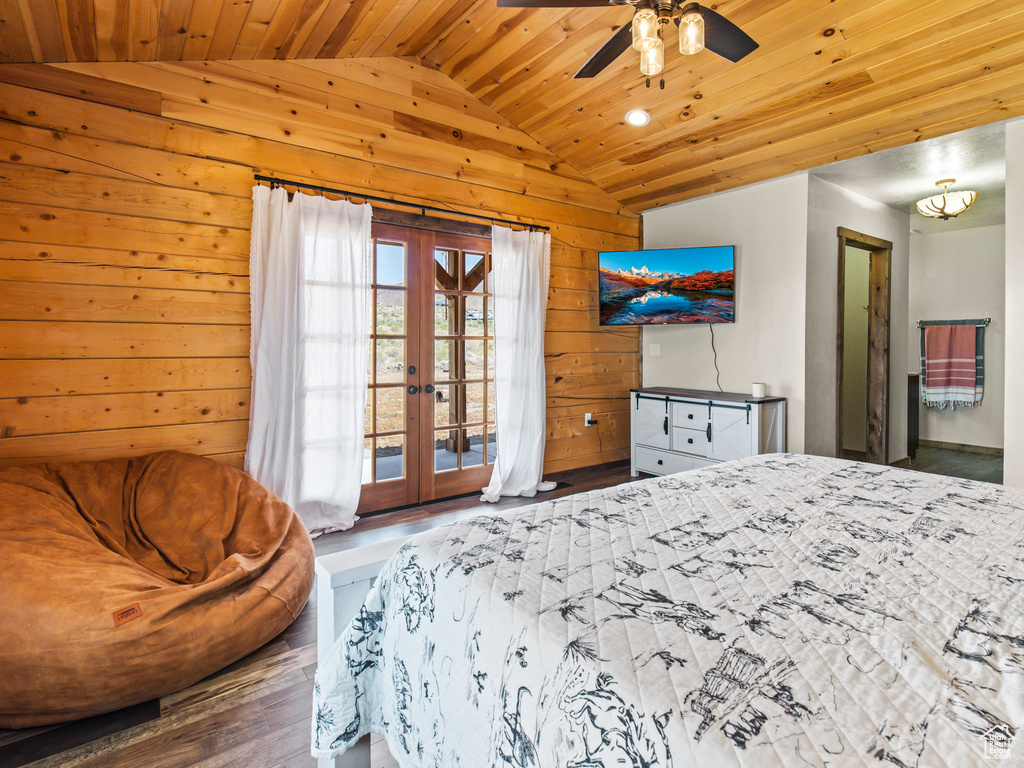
x,y
970,465
256,713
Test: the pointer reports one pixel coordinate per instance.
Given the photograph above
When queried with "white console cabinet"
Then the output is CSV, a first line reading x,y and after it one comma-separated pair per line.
x,y
673,430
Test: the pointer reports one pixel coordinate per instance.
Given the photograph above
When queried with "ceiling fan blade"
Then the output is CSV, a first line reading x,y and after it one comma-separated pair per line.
x,y
609,52
723,37
553,3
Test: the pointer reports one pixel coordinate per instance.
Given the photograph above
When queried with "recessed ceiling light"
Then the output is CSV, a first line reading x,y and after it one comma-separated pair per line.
x,y
638,117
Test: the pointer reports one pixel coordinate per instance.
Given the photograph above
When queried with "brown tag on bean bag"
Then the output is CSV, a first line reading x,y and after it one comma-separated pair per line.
x,y
125,615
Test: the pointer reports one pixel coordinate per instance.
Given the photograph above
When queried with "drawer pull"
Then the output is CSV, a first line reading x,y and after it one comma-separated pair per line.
x,y
689,416
660,461
689,440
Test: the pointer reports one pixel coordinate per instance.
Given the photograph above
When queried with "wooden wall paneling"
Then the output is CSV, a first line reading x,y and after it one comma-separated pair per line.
x,y
57,339
21,378
206,438
42,148
54,79
25,416
64,226
58,265
69,115
84,192
116,304
259,78
124,325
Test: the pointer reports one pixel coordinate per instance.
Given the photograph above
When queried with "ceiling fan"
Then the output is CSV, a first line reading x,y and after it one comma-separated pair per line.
x,y
699,28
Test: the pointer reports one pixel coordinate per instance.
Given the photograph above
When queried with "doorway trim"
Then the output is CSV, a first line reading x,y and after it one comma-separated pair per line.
x,y
879,316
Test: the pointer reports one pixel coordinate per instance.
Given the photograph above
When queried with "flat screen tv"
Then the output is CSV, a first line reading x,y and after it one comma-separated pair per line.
x,y
668,285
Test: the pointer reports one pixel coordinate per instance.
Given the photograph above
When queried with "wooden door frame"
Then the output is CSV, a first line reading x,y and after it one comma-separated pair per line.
x,y
421,482
879,327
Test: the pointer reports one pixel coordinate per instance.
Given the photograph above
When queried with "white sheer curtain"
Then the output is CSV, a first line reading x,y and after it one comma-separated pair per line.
x,y
520,263
309,283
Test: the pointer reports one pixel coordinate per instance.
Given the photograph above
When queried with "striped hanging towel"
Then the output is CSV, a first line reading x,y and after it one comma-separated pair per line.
x,y
952,365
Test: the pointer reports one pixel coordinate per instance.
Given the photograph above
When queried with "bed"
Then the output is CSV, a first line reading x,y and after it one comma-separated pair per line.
x,y
778,611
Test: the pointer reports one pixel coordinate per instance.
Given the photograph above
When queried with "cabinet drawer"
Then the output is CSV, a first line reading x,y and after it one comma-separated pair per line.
x,y
661,462
691,441
690,415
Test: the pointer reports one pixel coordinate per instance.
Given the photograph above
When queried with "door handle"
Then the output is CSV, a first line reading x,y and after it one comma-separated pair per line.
x,y
709,433
412,369
413,389
665,425
429,389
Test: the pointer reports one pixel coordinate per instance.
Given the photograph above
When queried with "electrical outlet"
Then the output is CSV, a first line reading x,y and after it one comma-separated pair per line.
x,y
654,350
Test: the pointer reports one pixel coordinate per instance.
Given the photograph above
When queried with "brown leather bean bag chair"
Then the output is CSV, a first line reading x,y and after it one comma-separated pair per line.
x,y
125,580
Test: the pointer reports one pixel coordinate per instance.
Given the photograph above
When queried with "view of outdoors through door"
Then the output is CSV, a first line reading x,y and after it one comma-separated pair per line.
x,y
430,394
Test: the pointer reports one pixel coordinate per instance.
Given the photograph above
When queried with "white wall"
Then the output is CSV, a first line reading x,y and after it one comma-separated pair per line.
x,y
767,223
1013,423
831,207
957,275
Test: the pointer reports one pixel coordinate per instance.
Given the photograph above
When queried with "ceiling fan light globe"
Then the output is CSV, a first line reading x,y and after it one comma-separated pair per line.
x,y
691,34
645,29
652,61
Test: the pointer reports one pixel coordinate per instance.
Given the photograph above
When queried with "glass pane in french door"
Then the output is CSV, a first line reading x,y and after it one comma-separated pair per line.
x,y
463,358
386,417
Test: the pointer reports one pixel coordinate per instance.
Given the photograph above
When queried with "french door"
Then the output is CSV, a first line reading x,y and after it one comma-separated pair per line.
x,y
430,392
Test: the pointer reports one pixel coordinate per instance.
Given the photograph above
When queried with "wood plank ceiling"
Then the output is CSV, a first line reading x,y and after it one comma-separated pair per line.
x,y
832,79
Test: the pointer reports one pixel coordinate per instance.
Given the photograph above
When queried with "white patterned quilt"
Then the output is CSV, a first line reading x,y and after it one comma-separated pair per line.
x,y
779,611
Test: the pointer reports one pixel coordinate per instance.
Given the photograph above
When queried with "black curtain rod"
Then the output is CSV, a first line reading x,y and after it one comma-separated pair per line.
x,y
416,206
982,321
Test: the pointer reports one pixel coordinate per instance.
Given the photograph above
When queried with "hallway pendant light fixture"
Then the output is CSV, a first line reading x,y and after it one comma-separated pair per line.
x,y
947,205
